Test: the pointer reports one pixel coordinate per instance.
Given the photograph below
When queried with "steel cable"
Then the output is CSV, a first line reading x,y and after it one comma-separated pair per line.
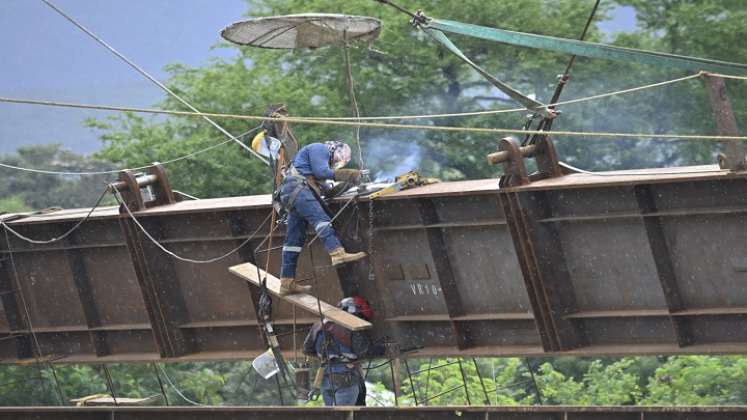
x,y
116,171
317,121
56,238
151,78
173,254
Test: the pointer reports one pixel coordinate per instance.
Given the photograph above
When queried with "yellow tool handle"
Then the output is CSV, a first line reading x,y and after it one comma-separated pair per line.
x,y
318,378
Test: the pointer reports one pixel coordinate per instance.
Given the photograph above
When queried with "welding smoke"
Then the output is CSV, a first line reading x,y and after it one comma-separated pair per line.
x,y
389,157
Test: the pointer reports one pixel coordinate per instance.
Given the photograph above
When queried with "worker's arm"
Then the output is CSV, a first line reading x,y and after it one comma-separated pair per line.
x,y
319,160
363,347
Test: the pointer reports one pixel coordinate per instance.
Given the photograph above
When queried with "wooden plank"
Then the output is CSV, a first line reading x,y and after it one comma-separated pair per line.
x,y
251,273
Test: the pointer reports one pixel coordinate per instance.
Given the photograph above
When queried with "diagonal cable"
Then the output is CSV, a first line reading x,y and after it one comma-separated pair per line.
x,y
152,79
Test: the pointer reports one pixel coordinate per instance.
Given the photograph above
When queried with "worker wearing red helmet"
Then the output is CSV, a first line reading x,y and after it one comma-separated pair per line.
x,y
340,351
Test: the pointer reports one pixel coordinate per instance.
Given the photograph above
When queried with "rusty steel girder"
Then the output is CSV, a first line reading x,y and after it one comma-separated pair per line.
x,y
634,262
386,413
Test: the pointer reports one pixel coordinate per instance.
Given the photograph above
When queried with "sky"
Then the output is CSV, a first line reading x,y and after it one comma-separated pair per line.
x,y
46,57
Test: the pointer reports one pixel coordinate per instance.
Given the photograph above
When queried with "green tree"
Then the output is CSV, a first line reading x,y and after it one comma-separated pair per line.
x,y
407,73
22,190
699,380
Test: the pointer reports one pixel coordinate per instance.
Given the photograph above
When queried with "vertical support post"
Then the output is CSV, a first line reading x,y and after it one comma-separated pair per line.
x,y
85,293
540,253
444,271
396,368
663,260
733,157
160,288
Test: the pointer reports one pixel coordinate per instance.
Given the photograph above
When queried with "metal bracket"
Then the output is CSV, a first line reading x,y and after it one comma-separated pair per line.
x,y
140,191
511,154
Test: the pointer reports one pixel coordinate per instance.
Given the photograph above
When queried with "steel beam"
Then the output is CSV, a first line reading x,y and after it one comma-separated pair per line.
x,y
568,265
160,289
444,272
662,257
540,253
85,293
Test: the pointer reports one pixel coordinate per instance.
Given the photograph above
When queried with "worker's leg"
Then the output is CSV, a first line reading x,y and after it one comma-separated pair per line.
x,y
344,394
362,391
309,208
293,245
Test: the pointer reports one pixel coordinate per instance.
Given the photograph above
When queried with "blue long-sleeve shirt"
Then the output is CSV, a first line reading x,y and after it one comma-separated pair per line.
x,y
314,160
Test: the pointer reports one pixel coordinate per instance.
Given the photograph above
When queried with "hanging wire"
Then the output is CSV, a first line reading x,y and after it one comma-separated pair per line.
x,y
64,235
139,168
151,78
147,234
445,128
486,401
177,390
353,101
38,354
160,384
110,383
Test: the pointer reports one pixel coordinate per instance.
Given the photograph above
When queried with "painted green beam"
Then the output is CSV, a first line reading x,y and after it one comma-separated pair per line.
x,y
587,49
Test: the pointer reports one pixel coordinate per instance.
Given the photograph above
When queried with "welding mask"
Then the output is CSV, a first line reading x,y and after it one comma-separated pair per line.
x,y
339,154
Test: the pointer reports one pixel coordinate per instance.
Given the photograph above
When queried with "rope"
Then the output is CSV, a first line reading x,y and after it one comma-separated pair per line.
x,y
726,76
151,78
583,171
354,103
139,168
173,254
176,389
317,121
56,238
510,110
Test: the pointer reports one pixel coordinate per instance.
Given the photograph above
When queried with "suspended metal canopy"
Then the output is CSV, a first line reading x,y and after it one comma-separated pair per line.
x,y
308,30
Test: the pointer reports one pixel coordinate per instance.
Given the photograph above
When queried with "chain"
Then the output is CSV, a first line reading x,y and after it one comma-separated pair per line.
x,y
371,274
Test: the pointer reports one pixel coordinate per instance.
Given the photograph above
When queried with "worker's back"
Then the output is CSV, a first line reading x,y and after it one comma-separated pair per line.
x,y
313,160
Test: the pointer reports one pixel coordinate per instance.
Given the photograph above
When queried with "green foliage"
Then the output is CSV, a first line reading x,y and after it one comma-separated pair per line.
x,y
13,204
699,380
675,380
406,73
22,191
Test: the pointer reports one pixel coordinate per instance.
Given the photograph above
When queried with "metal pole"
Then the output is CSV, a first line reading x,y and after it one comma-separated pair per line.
x,y
160,385
482,383
534,381
412,383
428,380
110,383
464,381
394,368
733,157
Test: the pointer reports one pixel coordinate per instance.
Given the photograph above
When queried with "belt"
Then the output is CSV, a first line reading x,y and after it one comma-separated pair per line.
x,y
292,172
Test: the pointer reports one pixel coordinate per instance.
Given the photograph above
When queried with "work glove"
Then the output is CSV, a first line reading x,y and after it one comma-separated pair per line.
x,y
352,176
338,189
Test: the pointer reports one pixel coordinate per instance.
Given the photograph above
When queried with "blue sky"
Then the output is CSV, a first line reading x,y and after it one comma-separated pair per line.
x,y
45,57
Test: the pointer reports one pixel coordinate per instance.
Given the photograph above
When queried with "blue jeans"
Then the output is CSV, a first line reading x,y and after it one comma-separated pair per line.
x,y
305,210
343,395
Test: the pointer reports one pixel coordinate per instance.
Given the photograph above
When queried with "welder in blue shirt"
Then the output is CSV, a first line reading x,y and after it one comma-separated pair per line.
x,y
300,195
341,351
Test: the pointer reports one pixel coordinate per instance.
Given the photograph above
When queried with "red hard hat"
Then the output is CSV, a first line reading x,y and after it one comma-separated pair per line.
x,y
358,306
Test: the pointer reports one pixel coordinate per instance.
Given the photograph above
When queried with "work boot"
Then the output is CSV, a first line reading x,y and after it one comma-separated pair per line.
x,y
289,286
339,256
